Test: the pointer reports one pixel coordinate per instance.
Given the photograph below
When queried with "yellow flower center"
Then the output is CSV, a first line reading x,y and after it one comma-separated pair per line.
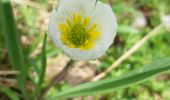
x,y
78,33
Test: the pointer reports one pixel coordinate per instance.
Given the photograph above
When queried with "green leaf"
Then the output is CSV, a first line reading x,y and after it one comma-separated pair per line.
x,y
43,67
12,44
11,94
108,85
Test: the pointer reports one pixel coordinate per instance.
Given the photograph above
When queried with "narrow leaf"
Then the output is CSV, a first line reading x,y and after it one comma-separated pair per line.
x,y
43,67
11,94
111,84
11,37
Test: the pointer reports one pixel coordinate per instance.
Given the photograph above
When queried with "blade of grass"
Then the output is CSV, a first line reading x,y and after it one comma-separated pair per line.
x,y
12,43
43,67
11,94
111,84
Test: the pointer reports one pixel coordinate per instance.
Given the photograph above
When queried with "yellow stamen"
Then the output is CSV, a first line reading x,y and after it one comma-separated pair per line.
x,y
87,46
86,21
64,28
75,32
63,37
68,22
94,35
93,27
75,18
72,46
79,18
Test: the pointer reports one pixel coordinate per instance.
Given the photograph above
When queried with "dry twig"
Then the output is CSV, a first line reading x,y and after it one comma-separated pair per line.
x,y
5,73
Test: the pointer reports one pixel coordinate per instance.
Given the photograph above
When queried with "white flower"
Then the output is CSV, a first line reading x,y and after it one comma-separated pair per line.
x,y
84,29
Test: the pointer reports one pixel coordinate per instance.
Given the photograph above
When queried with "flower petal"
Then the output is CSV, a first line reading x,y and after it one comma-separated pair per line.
x,y
84,7
106,21
104,17
52,29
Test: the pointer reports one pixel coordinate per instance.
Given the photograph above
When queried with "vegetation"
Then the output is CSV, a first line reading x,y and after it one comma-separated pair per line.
x,y
28,58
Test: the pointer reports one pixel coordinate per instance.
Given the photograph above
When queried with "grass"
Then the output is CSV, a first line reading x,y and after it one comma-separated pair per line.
x,y
31,24
11,38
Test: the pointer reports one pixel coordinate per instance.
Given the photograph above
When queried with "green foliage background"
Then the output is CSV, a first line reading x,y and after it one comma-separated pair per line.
x,y
31,22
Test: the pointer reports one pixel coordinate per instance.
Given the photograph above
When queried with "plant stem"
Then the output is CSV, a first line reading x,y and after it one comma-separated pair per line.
x,y
58,78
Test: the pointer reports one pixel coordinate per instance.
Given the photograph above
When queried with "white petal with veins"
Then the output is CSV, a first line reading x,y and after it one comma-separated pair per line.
x,y
100,13
85,7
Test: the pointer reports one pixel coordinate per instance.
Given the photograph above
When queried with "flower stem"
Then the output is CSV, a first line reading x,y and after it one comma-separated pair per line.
x,y
58,78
